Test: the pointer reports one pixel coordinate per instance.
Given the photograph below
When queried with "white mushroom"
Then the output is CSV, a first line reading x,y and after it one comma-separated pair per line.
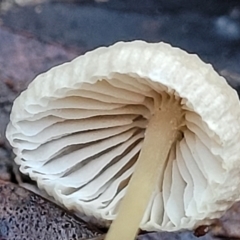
x,y
83,128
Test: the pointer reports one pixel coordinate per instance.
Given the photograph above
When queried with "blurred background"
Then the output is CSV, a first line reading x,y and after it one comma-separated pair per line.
x,y
36,35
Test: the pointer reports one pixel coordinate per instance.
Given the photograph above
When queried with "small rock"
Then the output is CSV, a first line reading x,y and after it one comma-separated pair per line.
x,y
25,215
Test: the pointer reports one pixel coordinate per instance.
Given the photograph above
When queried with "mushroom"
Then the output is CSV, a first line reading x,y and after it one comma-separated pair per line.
x,y
142,131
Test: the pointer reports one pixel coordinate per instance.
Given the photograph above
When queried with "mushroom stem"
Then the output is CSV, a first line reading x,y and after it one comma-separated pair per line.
x,y
160,135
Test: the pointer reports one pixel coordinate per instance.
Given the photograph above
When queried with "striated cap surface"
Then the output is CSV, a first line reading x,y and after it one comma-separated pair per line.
x,y
78,130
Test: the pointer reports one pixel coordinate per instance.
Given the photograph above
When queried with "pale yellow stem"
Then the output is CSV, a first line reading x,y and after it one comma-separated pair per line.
x,y
159,137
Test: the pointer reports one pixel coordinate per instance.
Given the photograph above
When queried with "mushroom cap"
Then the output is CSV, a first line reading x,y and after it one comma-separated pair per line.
x,y
78,129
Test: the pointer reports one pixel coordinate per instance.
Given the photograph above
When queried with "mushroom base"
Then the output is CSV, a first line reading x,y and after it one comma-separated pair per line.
x,y
162,132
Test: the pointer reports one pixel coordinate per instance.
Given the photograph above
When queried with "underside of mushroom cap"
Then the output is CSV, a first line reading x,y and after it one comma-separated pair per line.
x,y
78,130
